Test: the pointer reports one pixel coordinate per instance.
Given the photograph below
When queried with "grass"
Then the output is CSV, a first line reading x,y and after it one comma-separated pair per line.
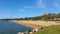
x,y
50,30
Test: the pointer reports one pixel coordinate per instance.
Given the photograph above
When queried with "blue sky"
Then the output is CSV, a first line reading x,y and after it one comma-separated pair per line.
x,y
27,8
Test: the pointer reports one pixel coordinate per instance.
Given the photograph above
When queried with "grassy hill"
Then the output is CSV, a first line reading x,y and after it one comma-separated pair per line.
x,y
49,30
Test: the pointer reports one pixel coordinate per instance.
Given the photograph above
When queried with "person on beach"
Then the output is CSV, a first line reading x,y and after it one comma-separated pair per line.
x,y
46,20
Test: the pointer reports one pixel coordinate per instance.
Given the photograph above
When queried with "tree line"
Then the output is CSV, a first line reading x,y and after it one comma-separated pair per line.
x,y
46,16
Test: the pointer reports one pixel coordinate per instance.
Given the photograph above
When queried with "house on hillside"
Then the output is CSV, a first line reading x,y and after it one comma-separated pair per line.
x,y
57,19
51,16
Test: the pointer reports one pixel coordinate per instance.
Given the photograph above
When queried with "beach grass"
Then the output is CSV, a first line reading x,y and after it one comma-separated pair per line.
x,y
49,30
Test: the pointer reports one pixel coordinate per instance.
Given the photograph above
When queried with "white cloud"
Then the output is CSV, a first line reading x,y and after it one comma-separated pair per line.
x,y
57,5
40,4
21,10
43,5
27,7
31,7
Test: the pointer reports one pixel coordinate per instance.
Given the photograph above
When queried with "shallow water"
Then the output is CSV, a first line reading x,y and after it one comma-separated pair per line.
x,y
7,27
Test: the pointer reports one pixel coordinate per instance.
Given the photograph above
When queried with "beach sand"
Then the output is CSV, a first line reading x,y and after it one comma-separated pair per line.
x,y
36,24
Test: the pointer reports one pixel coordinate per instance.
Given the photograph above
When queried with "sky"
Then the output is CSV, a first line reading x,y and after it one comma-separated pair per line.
x,y
27,8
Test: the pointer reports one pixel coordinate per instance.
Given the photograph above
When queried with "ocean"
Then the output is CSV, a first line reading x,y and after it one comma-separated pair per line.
x,y
7,27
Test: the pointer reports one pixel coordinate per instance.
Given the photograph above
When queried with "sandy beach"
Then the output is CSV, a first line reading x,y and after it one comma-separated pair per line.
x,y
36,24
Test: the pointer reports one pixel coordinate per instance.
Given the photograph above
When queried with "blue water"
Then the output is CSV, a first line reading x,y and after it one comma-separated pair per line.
x,y
7,27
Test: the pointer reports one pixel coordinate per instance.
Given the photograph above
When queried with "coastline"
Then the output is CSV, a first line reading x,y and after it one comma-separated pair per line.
x,y
35,24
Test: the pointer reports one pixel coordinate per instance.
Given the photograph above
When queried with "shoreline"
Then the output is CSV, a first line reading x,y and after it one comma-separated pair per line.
x,y
35,24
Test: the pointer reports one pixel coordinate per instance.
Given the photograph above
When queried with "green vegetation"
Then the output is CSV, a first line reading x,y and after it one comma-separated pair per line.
x,y
45,16
42,17
49,30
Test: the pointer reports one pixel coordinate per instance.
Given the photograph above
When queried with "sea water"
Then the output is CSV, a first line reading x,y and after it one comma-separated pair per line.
x,y
7,27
